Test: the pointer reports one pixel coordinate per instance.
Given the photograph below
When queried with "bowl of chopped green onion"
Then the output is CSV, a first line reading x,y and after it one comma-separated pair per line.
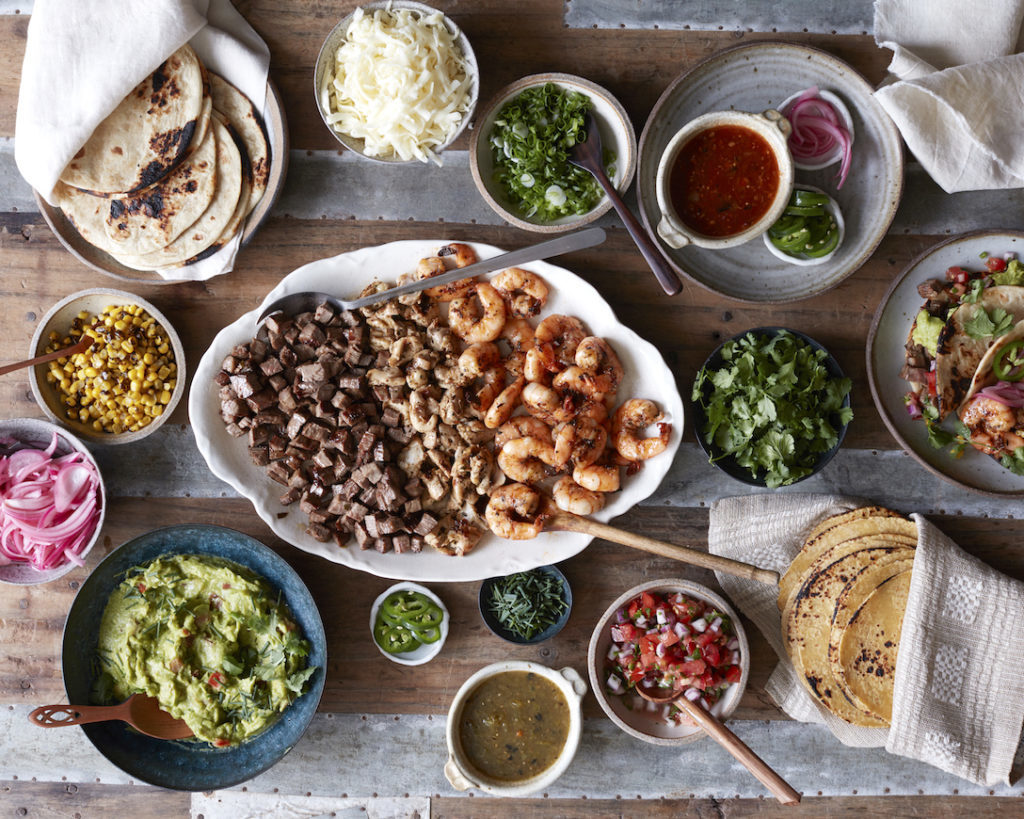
x,y
771,407
810,230
520,148
526,607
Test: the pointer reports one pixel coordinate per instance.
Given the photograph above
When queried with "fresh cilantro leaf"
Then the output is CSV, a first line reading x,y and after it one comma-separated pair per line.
x,y
984,324
974,293
1014,461
772,407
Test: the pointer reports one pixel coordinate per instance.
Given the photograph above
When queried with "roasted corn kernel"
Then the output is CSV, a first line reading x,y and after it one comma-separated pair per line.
x,y
124,380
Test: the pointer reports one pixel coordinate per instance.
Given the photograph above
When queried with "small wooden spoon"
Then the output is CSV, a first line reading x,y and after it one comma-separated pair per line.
x,y
80,347
779,787
141,712
568,522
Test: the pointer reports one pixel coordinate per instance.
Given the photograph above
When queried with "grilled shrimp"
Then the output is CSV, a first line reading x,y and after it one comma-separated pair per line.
x,y
522,426
557,338
515,512
473,323
580,441
571,497
526,460
628,424
525,292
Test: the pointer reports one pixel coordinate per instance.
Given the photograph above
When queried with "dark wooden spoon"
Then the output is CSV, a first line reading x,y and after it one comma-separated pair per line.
x,y
141,712
779,787
80,347
589,155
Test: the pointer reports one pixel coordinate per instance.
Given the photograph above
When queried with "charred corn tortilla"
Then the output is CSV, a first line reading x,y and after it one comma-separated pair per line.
x,y
147,134
845,560
868,520
865,635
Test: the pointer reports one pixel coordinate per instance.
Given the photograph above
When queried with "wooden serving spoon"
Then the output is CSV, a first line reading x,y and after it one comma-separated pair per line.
x,y
779,787
80,347
143,713
568,522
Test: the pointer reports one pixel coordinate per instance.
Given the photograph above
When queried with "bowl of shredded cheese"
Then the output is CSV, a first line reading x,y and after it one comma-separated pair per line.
x,y
396,81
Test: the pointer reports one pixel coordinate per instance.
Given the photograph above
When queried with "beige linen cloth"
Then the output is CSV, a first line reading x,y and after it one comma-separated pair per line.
x,y
959,687
958,101
83,57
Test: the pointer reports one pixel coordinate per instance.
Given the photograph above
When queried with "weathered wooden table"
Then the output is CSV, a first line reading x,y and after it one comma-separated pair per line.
x,y
377,744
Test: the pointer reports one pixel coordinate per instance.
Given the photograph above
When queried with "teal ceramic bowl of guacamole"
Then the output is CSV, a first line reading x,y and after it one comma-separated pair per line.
x,y
221,630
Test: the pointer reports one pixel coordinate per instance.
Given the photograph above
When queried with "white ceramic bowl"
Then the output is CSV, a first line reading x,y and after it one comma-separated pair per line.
x,y
832,208
325,63
461,773
844,115
58,318
617,135
37,434
775,130
427,651
645,724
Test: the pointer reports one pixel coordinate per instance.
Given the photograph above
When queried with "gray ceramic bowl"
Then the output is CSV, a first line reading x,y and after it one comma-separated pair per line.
x,y
617,134
58,319
325,61
190,765
639,722
38,434
495,625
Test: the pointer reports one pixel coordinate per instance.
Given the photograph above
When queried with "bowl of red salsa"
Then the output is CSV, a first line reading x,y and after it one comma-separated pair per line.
x,y
724,179
668,635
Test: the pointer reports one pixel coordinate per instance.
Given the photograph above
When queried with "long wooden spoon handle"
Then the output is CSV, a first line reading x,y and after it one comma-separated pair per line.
x,y
42,359
779,787
59,716
575,523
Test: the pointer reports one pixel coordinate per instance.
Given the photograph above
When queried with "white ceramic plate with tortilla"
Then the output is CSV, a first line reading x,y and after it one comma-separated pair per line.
x,y
886,356
646,376
755,78
92,256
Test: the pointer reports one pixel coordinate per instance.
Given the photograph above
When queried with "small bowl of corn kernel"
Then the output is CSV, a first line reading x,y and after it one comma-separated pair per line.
x,y
126,384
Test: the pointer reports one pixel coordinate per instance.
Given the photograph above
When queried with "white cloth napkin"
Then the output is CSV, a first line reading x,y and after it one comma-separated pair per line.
x,y
959,692
958,100
83,57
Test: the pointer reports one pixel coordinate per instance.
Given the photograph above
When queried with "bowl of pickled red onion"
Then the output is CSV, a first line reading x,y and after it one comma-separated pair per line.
x,y
822,132
52,502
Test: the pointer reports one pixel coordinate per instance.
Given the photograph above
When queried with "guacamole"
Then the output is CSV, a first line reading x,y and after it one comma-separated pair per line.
x,y
1013,275
210,640
926,331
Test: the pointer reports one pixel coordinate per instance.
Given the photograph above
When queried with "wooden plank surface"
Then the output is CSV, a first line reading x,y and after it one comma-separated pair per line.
x,y
634,63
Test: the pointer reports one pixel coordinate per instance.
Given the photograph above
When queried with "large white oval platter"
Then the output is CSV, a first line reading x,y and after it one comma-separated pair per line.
x,y
886,357
647,376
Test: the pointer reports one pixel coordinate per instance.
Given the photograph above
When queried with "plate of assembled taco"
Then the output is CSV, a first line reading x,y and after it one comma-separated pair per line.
x,y
945,360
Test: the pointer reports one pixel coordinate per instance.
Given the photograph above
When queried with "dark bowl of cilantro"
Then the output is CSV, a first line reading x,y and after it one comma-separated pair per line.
x,y
771,407
520,148
527,607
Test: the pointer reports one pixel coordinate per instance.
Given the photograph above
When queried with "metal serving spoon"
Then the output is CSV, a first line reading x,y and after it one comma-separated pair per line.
x,y
589,156
141,712
295,303
779,787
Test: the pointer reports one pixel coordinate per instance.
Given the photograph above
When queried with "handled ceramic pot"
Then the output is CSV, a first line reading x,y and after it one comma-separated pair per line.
x,y
775,130
459,770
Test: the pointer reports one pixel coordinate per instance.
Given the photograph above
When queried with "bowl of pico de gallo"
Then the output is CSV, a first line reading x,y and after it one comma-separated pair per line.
x,y
668,635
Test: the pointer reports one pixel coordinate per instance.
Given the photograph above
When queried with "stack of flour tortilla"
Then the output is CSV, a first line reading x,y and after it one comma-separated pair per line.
x,y
842,602
169,177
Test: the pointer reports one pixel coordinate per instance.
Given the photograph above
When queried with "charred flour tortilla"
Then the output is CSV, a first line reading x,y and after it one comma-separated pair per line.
x,y
828,587
212,222
152,219
242,117
148,134
961,347
865,637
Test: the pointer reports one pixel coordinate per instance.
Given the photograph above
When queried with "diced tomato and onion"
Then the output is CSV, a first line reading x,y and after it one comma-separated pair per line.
x,y
671,643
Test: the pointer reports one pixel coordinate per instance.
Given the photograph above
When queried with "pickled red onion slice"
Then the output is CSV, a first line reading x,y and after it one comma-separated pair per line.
x,y
818,132
49,507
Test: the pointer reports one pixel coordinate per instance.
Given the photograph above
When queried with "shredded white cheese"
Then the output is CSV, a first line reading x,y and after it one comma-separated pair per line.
x,y
399,84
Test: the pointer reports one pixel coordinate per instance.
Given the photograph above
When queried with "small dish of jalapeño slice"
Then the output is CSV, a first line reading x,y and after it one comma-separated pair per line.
x,y
810,230
409,624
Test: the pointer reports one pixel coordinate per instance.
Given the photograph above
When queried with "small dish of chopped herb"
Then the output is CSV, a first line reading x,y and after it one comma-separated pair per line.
x,y
771,407
526,607
521,144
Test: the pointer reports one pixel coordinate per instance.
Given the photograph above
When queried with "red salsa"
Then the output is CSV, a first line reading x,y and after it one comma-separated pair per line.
x,y
724,180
